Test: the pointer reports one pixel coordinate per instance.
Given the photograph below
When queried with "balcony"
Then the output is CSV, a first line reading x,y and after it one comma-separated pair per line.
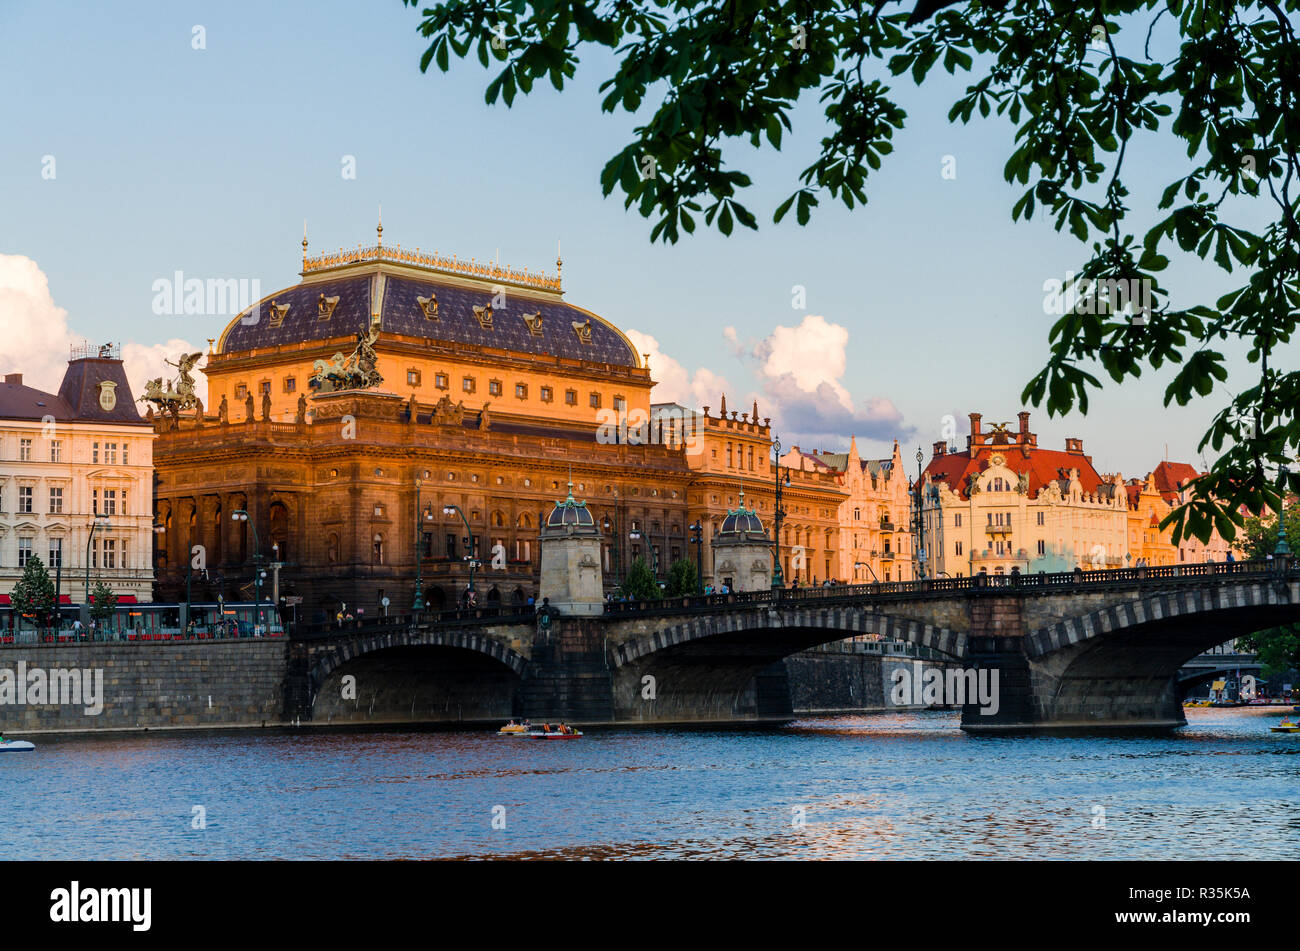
x,y
886,526
887,555
997,529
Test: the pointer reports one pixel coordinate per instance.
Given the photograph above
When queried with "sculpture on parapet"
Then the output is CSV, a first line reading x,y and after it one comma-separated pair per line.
x,y
357,372
178,394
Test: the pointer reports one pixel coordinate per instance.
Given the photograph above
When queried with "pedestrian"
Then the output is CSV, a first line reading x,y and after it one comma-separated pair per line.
x,y
1230,558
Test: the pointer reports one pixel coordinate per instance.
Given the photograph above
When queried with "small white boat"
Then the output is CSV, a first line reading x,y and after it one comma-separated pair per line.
x,y
16,746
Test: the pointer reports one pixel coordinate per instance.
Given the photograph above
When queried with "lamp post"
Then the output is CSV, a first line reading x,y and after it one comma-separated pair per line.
x,y
456,510
778,514
417,606
697,539
1282,550
863,564
918,555
94,524
239,515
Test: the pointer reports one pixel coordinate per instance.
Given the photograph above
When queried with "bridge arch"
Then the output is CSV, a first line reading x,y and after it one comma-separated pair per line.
x,y
797,628
415,675
1223,611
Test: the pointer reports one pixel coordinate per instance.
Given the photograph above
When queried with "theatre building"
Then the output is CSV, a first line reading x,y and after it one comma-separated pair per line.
x,y
395,402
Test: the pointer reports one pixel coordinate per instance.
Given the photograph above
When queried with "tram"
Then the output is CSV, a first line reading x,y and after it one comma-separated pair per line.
x,y
135,620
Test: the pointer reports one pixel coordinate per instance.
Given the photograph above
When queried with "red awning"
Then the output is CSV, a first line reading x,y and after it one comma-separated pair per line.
x,y
63,599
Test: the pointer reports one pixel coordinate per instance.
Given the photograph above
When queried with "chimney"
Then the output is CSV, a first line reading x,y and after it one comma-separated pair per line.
x,y
1073,445
14,378
975,423
940,448
1024,422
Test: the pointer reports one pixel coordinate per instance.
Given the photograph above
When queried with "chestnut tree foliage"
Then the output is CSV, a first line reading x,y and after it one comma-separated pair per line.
x,y
700,75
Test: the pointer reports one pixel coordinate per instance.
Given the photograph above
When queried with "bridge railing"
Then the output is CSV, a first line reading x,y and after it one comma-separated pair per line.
x,y
929,587
458,617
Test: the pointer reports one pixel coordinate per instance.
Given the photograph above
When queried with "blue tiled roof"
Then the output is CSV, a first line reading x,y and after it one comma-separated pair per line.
x,y
402,314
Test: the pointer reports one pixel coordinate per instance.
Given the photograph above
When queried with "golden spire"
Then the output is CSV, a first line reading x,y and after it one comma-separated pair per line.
x,y
304,239
559,262
380,230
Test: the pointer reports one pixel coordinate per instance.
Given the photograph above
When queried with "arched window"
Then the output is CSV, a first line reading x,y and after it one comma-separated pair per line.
x,y
377,548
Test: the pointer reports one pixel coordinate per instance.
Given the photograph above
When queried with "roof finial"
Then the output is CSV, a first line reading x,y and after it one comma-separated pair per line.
x,y
304,239
559,261
380,230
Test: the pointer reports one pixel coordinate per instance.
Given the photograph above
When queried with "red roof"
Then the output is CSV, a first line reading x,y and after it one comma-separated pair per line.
x,y
1170,477
1042,465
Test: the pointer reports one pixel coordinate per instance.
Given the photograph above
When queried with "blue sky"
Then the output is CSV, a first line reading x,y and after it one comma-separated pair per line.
x,y
207,161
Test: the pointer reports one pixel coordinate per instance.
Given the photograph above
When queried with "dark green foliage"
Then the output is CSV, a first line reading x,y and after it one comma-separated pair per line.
x,y
1078,81
682,579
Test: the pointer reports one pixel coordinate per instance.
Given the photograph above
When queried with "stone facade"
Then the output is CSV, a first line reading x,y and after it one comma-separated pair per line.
x,y
157,685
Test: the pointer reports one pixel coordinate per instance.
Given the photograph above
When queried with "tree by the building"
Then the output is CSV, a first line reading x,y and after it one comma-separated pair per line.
x,y
102,601
639,584
1278,647
682,579
33,595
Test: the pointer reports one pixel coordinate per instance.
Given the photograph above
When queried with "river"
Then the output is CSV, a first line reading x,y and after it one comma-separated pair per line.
x,y
907,785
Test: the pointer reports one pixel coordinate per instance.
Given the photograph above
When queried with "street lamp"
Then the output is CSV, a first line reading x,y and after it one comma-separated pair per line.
x,y
863,564
635,535
239,515
1282,550
417,606
697,539
456,510
778,514
94,524
918,555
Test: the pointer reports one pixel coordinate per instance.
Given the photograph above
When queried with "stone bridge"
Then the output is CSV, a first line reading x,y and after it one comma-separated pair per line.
x,y
1072,650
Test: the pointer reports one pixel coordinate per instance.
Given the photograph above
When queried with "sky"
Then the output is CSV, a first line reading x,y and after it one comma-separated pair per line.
x,y
127,155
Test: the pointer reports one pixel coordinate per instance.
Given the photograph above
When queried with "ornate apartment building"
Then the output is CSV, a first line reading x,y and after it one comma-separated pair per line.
x,y
71,460
874,526
731,452
1007,503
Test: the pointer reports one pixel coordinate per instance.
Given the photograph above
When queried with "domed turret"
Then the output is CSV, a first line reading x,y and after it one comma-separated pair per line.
x,y
742,523
742,558
571,514
570,542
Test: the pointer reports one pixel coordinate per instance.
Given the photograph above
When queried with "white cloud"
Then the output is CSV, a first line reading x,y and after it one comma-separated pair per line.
x,y
34,334
35,338
673,383
802,370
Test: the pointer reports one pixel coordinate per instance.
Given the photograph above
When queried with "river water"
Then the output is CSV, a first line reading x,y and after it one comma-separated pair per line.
x,y
907,785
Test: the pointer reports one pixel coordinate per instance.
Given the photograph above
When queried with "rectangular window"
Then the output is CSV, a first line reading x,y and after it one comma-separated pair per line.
x,y
24,498
110,501
241,391
56,501
1042,547
24,552
957,523
24,450
110,453
94,452
728,455
595,401
290,384
494,387
467,384
521,391
571,397
56,450
958,548
547,394
451,546
440,381
110,553
56,552
125,461
412,377
264,387
1040,518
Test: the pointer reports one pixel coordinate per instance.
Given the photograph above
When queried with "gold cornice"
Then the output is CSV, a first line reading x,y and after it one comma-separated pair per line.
x,y
426,262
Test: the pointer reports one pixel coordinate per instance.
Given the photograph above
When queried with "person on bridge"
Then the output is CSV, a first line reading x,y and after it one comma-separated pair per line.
x,y
1230,558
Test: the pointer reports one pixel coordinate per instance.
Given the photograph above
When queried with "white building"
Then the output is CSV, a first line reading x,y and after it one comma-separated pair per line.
x,y
71,459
